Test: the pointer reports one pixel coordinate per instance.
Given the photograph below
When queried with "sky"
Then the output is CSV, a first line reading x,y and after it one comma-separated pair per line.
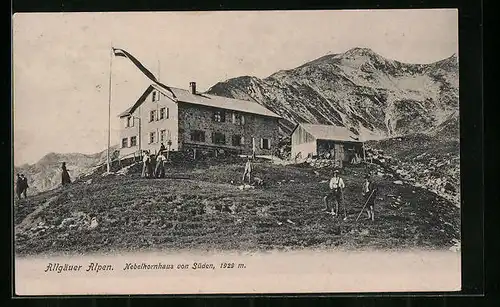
x,y
62,60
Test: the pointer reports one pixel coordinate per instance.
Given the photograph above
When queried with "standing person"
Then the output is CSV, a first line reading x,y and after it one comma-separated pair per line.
x,y
369,190
253,148
151,166
145,164
25,186
248,170
158,165
65,179
19,186
336,186
161,161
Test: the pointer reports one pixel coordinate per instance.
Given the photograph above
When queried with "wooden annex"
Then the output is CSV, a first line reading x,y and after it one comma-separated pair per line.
x,y
326,141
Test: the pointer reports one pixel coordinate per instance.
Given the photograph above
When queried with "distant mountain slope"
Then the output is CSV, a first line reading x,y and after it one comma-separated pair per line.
x,y
46,173
359,89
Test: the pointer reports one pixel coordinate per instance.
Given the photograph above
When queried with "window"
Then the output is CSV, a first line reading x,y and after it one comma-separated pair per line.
x,y
155,96
238,119
237,140
218,138
152,115
130,122
219,116
265,143
198,136
133,141
152,137
163,135
162,113
124,142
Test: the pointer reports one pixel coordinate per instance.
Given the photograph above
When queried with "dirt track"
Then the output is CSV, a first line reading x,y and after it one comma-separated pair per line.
x,y
205,211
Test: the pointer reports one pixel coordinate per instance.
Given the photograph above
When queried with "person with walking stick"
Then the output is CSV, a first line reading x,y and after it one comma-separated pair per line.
x,y
369,190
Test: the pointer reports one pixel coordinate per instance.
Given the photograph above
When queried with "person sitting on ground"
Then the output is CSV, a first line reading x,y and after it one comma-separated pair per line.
x,y
258,181
25,186
19,186
248,171
336,186
369,190
65,179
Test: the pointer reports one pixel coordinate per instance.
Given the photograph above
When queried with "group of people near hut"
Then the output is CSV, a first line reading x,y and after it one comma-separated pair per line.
x,y
154,165
336,195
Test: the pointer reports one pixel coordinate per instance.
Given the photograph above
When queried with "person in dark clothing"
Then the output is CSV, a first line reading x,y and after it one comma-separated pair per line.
x,y
369,190
151,166
65,175
19,186
24,186
162,148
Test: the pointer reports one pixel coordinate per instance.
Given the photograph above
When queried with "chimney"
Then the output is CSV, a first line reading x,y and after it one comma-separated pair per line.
x,y
192,86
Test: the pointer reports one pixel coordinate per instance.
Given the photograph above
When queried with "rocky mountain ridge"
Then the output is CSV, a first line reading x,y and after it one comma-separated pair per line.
x,y
373,96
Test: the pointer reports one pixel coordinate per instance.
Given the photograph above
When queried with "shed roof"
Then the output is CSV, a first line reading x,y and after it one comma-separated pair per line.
x,y
330,132
186,96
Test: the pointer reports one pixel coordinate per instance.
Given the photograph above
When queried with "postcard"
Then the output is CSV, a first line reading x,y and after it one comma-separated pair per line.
x,y
236,152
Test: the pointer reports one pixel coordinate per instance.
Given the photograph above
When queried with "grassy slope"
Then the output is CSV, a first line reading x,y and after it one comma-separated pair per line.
x,y
135,213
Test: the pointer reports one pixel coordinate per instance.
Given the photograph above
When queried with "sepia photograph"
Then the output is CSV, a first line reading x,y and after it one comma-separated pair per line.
x,y
236,152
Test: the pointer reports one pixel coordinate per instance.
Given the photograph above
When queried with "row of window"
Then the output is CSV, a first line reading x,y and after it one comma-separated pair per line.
x,y
236,118
133,142
163,114
198,136
220,139
164,135
154,115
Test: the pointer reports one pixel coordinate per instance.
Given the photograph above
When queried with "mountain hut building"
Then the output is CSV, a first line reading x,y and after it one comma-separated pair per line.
x,y
326,141
196,122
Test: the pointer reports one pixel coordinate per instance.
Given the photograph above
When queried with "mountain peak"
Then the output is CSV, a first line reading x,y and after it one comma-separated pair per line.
x,y
359,51
362,55
51,156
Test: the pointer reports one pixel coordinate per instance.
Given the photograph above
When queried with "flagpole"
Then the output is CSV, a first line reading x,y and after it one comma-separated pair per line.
x,y
159,70
109,107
